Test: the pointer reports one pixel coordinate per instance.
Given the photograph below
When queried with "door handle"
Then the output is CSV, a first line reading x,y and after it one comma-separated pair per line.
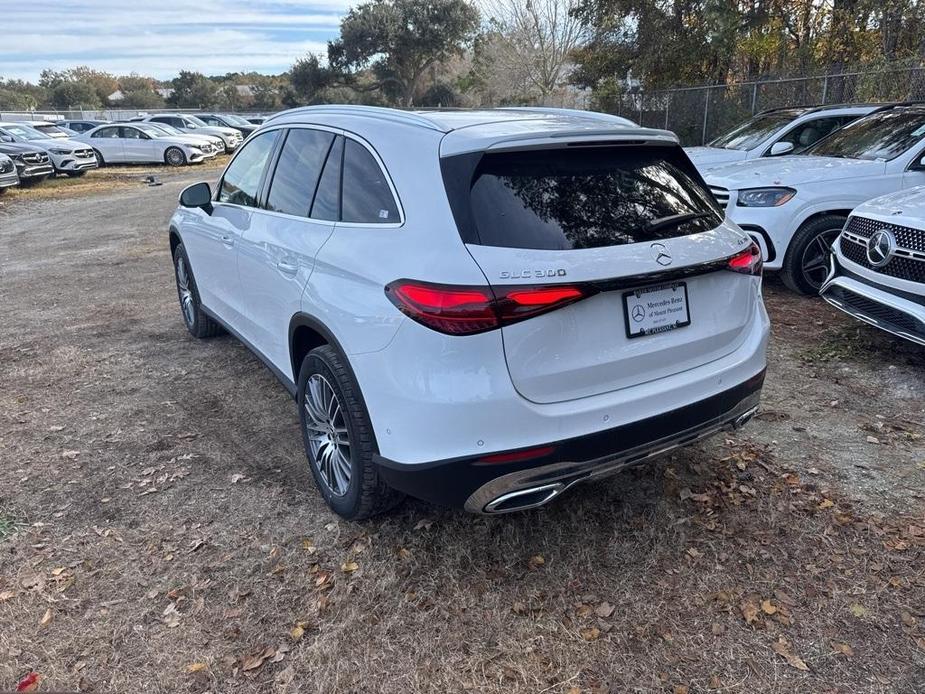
x,y
228,240
287,268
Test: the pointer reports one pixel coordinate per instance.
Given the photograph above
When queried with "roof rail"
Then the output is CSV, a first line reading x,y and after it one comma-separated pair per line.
x,y
378,112
552,110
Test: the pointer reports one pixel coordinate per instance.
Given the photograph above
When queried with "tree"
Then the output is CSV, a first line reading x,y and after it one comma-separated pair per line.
x,y
193,90
102,83
393,41
139,92
69,94
533,40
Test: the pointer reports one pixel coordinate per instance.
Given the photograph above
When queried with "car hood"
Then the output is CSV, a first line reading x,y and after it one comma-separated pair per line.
x,y
790,170
906,208
182,139
215,130
59,143
18,148
704,157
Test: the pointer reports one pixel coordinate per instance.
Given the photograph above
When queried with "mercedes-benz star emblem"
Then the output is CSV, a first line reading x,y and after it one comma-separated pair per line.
x,y
638,313
880,247
662,255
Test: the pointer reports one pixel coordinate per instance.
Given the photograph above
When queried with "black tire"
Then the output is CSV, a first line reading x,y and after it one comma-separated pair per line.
x,y
99,158
197,322
806,263
174,156
76,174
366,493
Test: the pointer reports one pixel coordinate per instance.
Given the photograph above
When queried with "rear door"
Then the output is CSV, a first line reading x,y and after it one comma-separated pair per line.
x,y
136,145
635,223
277,252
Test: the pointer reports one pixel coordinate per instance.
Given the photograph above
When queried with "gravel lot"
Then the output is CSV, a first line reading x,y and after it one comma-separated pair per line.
x,y
159,531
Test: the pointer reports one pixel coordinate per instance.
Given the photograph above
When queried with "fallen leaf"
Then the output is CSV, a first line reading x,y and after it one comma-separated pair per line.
x,y
681,689
309,546
297,632
46,618
7,595
256,660
749,611
348,567
518,608
873,439
29,683
423,524
536,561
825,503
404,554
858,610
590,633
238,477
782,648
604,610
767,607
842,648
196,667
908,619
920,642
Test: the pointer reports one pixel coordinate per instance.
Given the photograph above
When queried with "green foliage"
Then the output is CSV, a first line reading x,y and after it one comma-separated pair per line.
x,y
66,95
193,90
393,41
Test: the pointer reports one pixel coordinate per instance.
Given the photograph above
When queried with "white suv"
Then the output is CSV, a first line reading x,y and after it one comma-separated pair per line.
x,y
795,206
776,132
477,308
878,269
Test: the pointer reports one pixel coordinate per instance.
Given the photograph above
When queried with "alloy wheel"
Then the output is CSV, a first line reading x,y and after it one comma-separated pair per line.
x,y
816,255
184,289
175,157
326,430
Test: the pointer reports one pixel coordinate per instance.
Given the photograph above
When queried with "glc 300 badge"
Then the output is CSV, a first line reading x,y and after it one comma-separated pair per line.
x,y
532,274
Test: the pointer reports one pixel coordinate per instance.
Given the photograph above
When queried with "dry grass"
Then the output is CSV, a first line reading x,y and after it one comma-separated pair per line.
x,y
167,527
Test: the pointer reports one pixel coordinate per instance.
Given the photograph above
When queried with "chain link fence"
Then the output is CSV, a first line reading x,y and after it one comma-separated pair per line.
x,y
700,114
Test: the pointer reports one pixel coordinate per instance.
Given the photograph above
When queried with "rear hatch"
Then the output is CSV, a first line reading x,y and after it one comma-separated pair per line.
x,y
630,224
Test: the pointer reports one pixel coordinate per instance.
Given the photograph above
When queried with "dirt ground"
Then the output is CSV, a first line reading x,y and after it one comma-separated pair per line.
x,y
160,532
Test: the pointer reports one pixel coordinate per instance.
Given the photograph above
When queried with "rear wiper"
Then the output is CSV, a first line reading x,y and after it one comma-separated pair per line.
x,y
675,220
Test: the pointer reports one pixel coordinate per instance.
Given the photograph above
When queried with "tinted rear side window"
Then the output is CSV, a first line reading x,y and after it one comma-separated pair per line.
x,y
327,198
579,198
298,171
367,197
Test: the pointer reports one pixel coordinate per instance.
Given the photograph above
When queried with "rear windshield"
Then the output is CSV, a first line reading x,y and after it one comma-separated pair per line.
x,y
562,199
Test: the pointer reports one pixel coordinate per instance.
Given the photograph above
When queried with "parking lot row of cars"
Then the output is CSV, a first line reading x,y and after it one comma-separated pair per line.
x,y
835,198
31,151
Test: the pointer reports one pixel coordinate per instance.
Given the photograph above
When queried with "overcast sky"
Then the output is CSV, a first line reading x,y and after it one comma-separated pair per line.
x,y
161,37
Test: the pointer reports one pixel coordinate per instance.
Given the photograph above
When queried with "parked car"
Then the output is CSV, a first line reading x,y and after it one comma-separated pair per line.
x,y
777,132
477,308
140,142
228,120
795,206
8,175
49,129
82,126
878,266
32,163
70,157
218,145
191,124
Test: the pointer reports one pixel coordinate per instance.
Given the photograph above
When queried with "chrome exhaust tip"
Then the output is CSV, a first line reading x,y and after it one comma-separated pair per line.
x,y
744,418
523,499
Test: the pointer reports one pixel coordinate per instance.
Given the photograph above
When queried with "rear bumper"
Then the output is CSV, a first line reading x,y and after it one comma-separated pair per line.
x,y
488,487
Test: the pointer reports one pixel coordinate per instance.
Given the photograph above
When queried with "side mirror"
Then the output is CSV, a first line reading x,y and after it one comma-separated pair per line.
x,y
779,148
197,195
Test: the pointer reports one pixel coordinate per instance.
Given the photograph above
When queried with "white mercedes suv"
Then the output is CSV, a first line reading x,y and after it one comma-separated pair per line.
x,y
795,206
477,308
878,268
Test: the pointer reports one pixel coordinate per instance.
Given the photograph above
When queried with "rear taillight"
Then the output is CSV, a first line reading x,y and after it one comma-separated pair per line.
x,y
468,310
748,262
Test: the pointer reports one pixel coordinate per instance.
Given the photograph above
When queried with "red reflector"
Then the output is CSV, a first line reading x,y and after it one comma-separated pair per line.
x,y
517,456
544,295
748,262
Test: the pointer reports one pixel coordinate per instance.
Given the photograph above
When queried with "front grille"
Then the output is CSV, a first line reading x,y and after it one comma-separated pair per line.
x,y
906,237
886,317
900,267
721,195
83,153
34,157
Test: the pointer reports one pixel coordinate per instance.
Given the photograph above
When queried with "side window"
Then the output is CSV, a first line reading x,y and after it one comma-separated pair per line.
x,y
366,196
327,197
107,132
811,132
298,170
210,120
241,181
129,133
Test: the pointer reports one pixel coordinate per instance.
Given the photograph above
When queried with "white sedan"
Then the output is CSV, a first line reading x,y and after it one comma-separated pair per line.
x,y
139,142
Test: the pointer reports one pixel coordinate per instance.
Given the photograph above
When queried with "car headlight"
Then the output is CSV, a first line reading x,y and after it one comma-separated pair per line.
x,y
60,151
764,197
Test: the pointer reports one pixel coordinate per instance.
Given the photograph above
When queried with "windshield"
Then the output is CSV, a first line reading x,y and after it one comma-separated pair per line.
x,y
169,129
151,130
196,121
878,137
755,131
25,132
